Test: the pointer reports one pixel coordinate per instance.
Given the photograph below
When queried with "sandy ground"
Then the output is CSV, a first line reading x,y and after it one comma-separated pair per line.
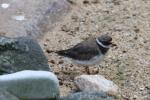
x,y
128,64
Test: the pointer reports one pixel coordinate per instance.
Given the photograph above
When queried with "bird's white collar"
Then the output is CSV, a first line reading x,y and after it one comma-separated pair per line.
x,y
104,46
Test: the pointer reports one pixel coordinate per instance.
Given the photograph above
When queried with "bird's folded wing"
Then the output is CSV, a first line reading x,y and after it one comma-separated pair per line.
x,y
83,52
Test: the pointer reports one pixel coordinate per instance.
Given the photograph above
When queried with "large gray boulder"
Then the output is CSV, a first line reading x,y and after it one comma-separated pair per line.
x,y
25,20
4,95
31,85
21,53
30,17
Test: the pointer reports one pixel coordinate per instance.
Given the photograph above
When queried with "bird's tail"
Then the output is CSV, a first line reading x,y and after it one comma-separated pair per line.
x,y
61,52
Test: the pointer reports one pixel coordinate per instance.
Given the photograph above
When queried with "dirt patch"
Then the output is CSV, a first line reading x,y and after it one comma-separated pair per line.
x,y
128,64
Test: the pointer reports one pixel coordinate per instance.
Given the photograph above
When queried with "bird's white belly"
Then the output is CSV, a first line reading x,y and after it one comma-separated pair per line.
x,y
92,61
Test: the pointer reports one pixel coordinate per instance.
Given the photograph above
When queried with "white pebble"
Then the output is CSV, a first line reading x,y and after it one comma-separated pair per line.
x,y
5,5
96,83
19,17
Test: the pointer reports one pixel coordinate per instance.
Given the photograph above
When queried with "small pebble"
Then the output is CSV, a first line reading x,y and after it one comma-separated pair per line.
x,y
86,2
95,1
92,70
135,97
52,61
45,44
61,62
64,28
142,88
71,1
48,51
19,17
5,5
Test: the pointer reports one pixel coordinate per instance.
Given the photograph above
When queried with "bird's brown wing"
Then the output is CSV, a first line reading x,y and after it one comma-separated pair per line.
x,y
83,51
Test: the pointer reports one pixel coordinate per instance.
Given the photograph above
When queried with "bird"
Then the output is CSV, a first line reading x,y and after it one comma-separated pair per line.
x,y
90,51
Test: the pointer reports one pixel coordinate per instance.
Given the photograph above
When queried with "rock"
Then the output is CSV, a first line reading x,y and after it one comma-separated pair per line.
x,y
31,84
4,95
88,96
21,53
31,17
96,83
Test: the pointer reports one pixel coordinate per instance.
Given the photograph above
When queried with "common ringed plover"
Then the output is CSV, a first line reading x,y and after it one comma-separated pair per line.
x,y
88,52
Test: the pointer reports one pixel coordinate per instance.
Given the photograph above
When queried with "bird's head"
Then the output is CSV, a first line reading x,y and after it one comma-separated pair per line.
x,y
105,41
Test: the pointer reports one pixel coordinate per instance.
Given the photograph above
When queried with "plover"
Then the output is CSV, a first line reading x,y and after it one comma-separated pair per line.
x,y
88,52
